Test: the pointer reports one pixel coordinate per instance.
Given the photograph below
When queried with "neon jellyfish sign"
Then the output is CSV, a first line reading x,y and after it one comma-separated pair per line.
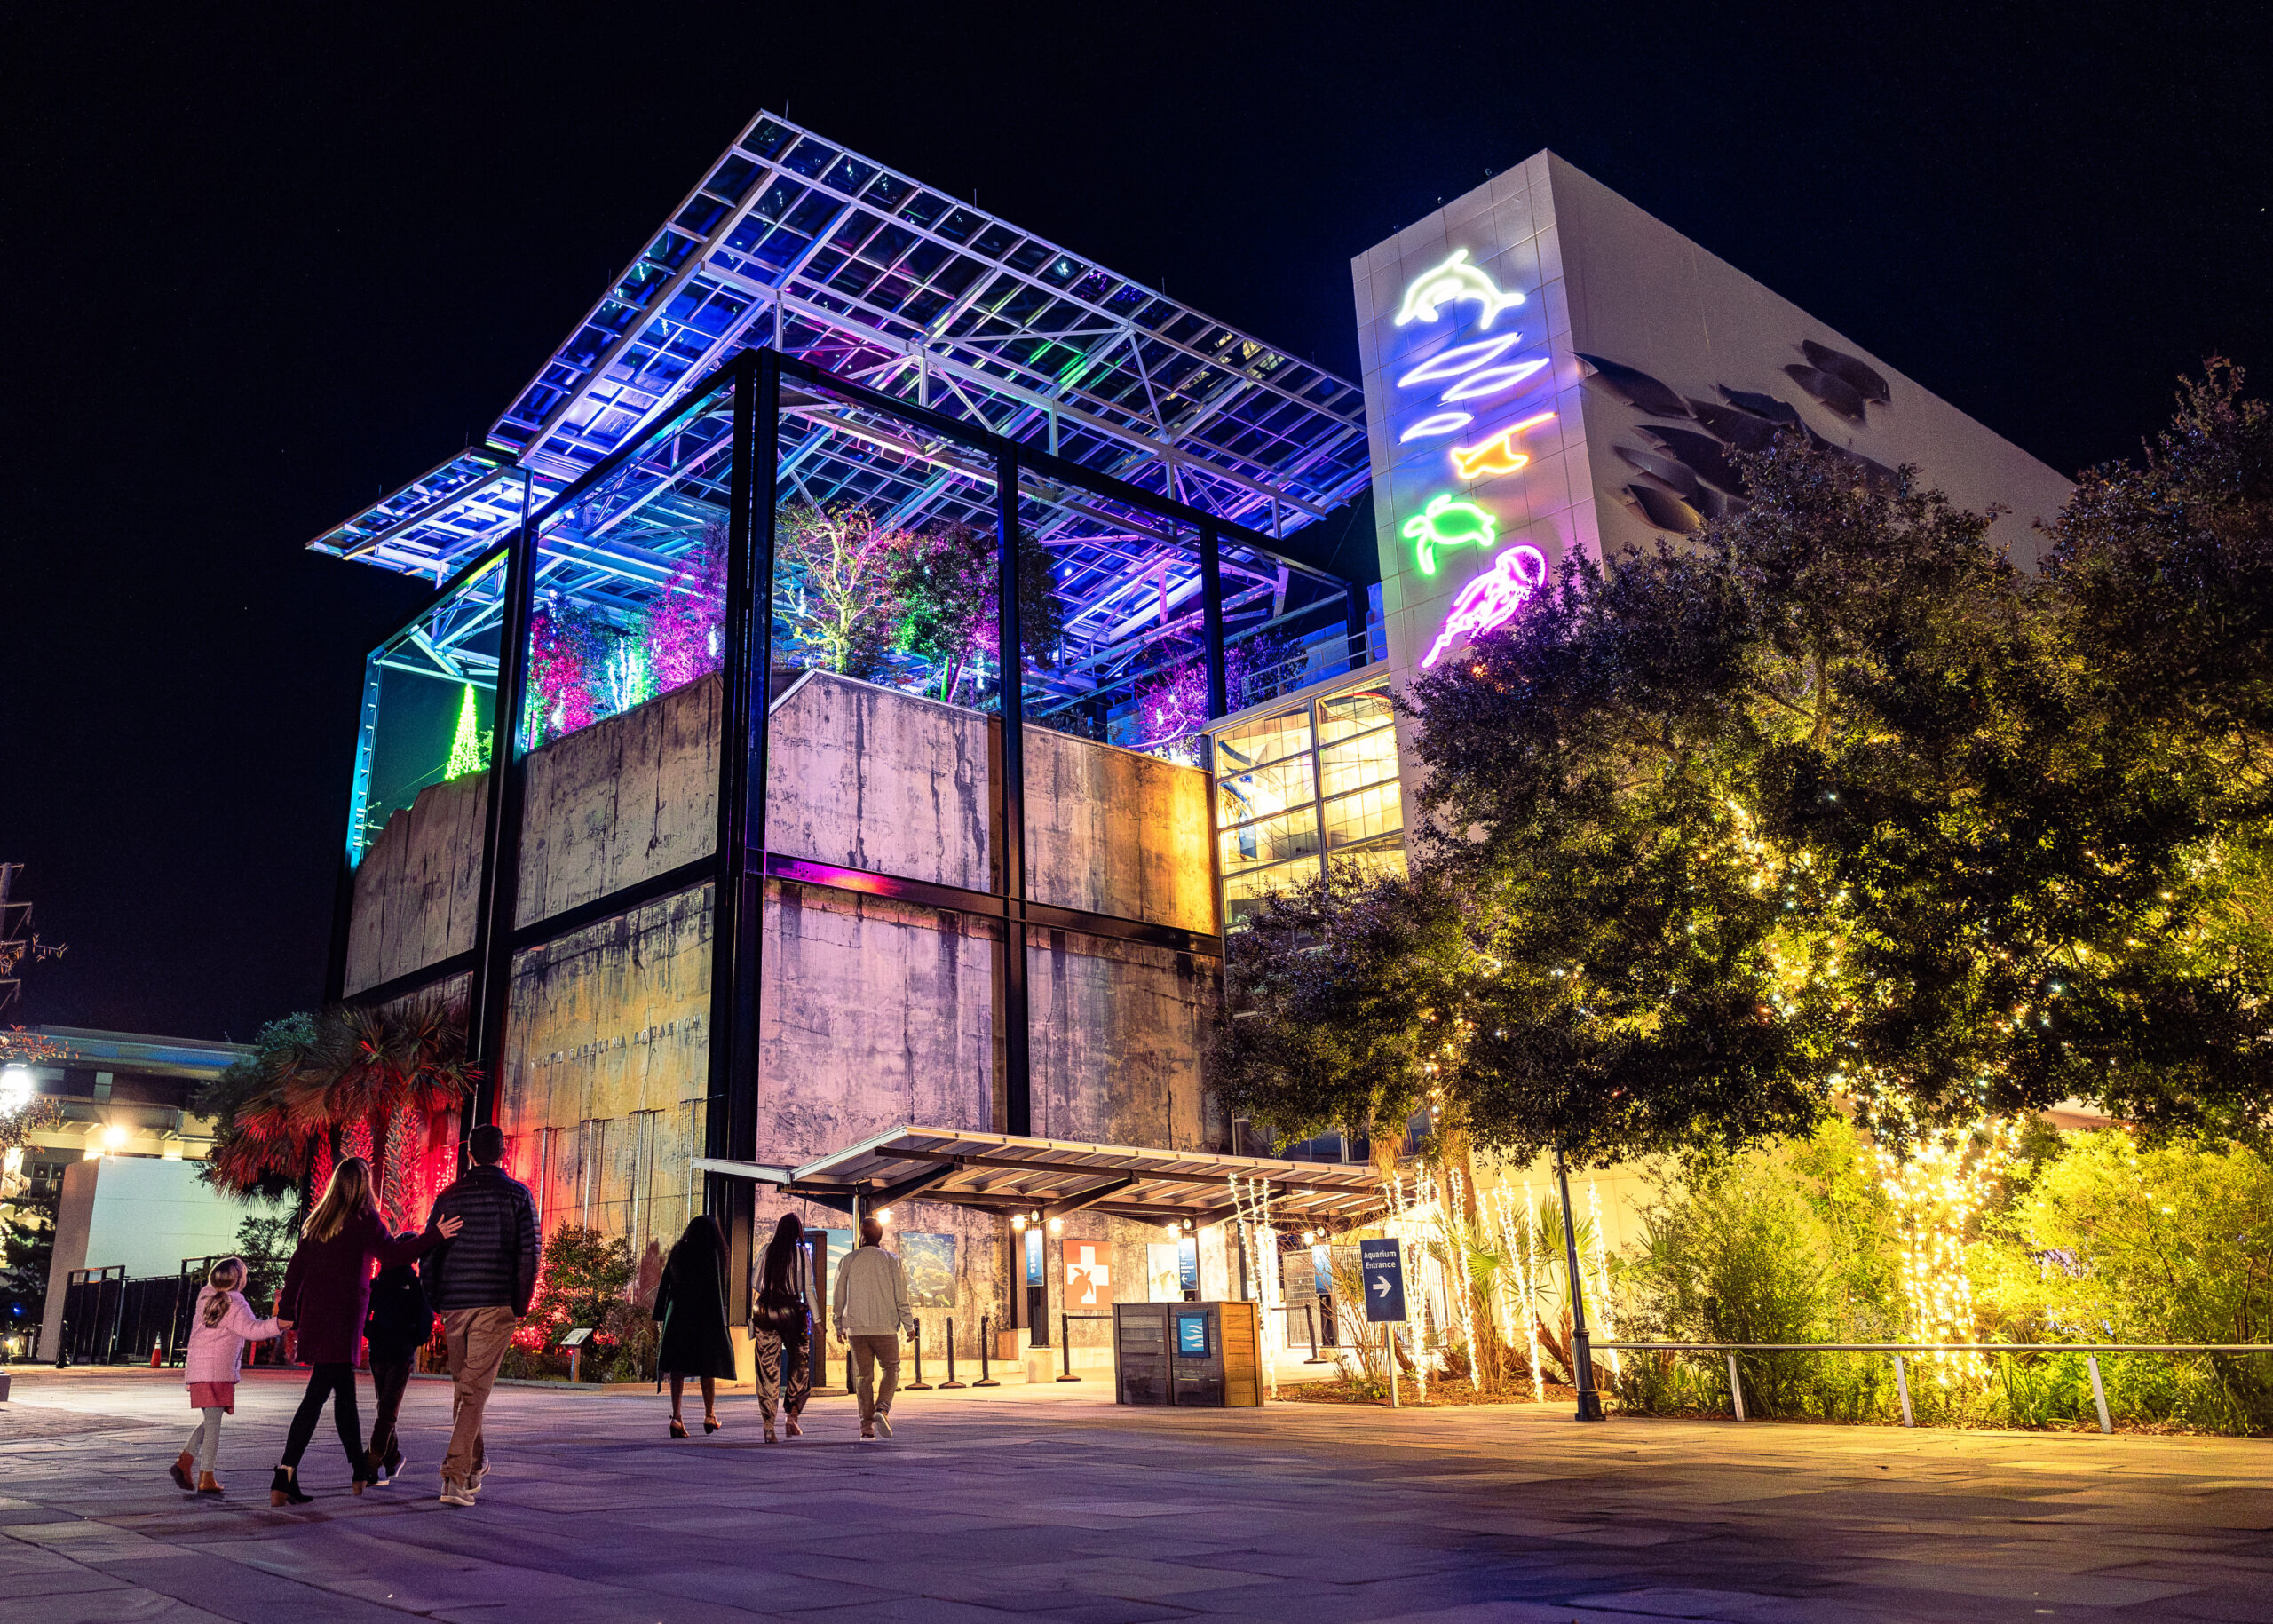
x,y
1492,599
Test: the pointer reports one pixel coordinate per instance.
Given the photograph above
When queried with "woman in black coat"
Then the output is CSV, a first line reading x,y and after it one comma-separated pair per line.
x,y
691,1302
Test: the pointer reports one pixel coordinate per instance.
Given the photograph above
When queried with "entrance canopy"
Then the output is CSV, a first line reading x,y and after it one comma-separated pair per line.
x,y
1008,1173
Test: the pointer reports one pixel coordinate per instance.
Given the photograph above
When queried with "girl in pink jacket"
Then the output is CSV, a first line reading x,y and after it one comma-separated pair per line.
x,y
219,1327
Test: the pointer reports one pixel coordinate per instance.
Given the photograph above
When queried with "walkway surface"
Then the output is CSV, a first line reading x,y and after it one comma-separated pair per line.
x,y
1044,1504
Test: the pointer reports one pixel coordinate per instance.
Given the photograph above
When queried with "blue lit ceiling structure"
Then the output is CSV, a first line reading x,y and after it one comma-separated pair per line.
x,y
794,242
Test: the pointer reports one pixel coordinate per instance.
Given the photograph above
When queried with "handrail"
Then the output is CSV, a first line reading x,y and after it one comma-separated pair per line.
x,y
2091,1350
1939,1347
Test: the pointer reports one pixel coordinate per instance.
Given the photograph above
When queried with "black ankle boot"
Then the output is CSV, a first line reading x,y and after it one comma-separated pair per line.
x,y
284,1489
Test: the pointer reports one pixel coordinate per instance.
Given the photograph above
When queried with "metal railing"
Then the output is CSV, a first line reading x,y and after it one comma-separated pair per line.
x,y
1903,1351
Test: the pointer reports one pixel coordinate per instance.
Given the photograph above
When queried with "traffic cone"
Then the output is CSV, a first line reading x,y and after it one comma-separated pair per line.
x,y
154,1346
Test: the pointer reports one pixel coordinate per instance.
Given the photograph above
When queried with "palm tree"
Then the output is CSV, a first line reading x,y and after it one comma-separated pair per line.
x,y
380,1084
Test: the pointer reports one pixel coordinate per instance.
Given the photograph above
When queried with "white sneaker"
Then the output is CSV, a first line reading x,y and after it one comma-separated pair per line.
x,y
480,1473
867,1436
884,1423
455,1493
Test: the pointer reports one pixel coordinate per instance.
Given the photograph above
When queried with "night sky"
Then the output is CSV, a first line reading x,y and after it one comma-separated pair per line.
x,y
262,267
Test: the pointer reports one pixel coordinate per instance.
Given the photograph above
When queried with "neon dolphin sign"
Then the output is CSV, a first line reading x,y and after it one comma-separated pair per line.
x,y
1450,283
1492,599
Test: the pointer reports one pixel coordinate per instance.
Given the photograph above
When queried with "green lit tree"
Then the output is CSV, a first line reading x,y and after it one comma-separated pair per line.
x,y
470,744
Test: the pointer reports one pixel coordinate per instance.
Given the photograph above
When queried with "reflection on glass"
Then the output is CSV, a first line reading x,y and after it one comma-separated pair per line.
x,y
1376,862
631,585
1265,790
1253,744
429,695
1354,712
1354,762
1362,816
1270,840
1243,892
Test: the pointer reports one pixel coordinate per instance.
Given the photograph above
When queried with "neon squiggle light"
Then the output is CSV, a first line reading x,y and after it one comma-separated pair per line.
x,y
1449,284
1460,359
1493,380
1492,599
1435,424
1449,522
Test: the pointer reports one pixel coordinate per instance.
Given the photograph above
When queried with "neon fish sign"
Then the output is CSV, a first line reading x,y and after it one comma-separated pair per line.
x,y
1492,599
1450,283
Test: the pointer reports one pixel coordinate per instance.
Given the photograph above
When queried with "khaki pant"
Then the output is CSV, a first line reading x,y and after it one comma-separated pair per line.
x,y
867,1352
476,1338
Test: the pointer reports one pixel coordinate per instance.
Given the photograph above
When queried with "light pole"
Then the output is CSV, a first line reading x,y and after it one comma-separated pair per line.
x,y
1581,1348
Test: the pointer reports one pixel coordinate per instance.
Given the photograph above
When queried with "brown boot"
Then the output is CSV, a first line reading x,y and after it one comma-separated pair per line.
x,y
179,1472
208,1484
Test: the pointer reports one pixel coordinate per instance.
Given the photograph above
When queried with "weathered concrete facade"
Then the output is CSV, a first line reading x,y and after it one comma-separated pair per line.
x,y
876,1013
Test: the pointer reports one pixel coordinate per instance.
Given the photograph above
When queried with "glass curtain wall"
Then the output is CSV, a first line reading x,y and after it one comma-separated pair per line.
x,y
430,696
631,580
1300,787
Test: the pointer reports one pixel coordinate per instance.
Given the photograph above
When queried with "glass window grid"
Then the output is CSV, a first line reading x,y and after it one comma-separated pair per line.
x,y
1349,773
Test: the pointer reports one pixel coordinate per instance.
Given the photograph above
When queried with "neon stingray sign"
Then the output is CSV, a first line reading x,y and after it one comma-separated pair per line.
x,y
1492,599
1450,283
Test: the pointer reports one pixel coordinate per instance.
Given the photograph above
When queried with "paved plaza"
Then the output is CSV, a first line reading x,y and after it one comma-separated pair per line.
x,y
1046,1504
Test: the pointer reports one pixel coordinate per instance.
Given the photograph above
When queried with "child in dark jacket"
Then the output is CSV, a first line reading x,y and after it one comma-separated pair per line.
x,y
400,1324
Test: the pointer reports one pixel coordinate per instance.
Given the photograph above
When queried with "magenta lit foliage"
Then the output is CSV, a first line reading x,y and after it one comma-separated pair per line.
x,y
684,629
1175,706
560,685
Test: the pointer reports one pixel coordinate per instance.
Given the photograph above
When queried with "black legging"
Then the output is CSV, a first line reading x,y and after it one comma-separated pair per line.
x,y
335,1382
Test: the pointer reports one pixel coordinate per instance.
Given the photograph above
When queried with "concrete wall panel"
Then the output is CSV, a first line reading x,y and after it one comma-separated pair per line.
x,y
1113,832
418,885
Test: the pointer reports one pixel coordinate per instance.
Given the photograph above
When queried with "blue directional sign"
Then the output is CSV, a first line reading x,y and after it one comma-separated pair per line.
x,y
1383,1271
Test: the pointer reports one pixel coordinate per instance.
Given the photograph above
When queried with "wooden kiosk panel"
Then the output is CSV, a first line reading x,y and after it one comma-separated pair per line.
x,y
1202,1355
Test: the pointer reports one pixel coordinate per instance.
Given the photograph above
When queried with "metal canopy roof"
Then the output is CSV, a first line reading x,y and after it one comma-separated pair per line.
x,y
1009,1173
794,242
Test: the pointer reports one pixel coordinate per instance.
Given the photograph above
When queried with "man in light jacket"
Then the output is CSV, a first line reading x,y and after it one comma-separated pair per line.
x,y
870,1307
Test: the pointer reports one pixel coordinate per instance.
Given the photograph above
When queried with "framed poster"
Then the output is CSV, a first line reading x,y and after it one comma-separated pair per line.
x,y
929,1263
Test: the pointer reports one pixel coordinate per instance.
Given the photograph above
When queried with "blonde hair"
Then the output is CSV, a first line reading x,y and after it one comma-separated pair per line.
x,y
217,1304
348,1195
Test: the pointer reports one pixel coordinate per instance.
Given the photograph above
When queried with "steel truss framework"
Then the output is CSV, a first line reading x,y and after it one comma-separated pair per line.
x,y
730,434
794,243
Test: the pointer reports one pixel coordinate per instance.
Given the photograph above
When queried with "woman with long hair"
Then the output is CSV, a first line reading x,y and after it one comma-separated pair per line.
x,y
220,1326
782,1316
328,1295
691,1301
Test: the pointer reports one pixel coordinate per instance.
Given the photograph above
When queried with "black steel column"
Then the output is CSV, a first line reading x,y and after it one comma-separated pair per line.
x,y
737,918
1017,1061
501,834
1211,602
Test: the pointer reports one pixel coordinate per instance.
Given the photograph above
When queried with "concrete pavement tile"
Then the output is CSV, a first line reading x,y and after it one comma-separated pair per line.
x,y
2036,1586
233,1590
904,1609
762,1589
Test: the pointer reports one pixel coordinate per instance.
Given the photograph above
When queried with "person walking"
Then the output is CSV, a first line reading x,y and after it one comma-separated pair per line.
x,y
328,1295
400,1324
870,1307
219,1327
691,1302
480,1284
781,1317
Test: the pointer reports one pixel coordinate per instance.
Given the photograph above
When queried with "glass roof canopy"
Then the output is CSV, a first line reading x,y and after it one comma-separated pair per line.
x,y
791,240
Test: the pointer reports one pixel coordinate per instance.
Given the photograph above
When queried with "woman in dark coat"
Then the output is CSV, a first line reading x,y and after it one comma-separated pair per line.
x,y
691,1301
327,1295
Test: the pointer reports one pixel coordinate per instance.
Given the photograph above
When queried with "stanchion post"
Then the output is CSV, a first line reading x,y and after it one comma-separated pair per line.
x,y
1065,1340
1902,1386
985,1337
1736,1389
2099,1393
918,1385
950,1382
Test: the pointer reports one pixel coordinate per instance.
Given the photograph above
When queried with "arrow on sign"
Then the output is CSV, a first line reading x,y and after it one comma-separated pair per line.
x,y
1381,1284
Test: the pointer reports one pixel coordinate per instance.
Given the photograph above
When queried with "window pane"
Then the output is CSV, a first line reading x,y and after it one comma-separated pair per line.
x,y
1353,764
1270,841
1375,862
1252,744
1362,816
1354,712
1264,792
1243,892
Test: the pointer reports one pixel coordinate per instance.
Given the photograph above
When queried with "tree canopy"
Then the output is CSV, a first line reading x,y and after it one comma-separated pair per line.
x,y
1827,803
